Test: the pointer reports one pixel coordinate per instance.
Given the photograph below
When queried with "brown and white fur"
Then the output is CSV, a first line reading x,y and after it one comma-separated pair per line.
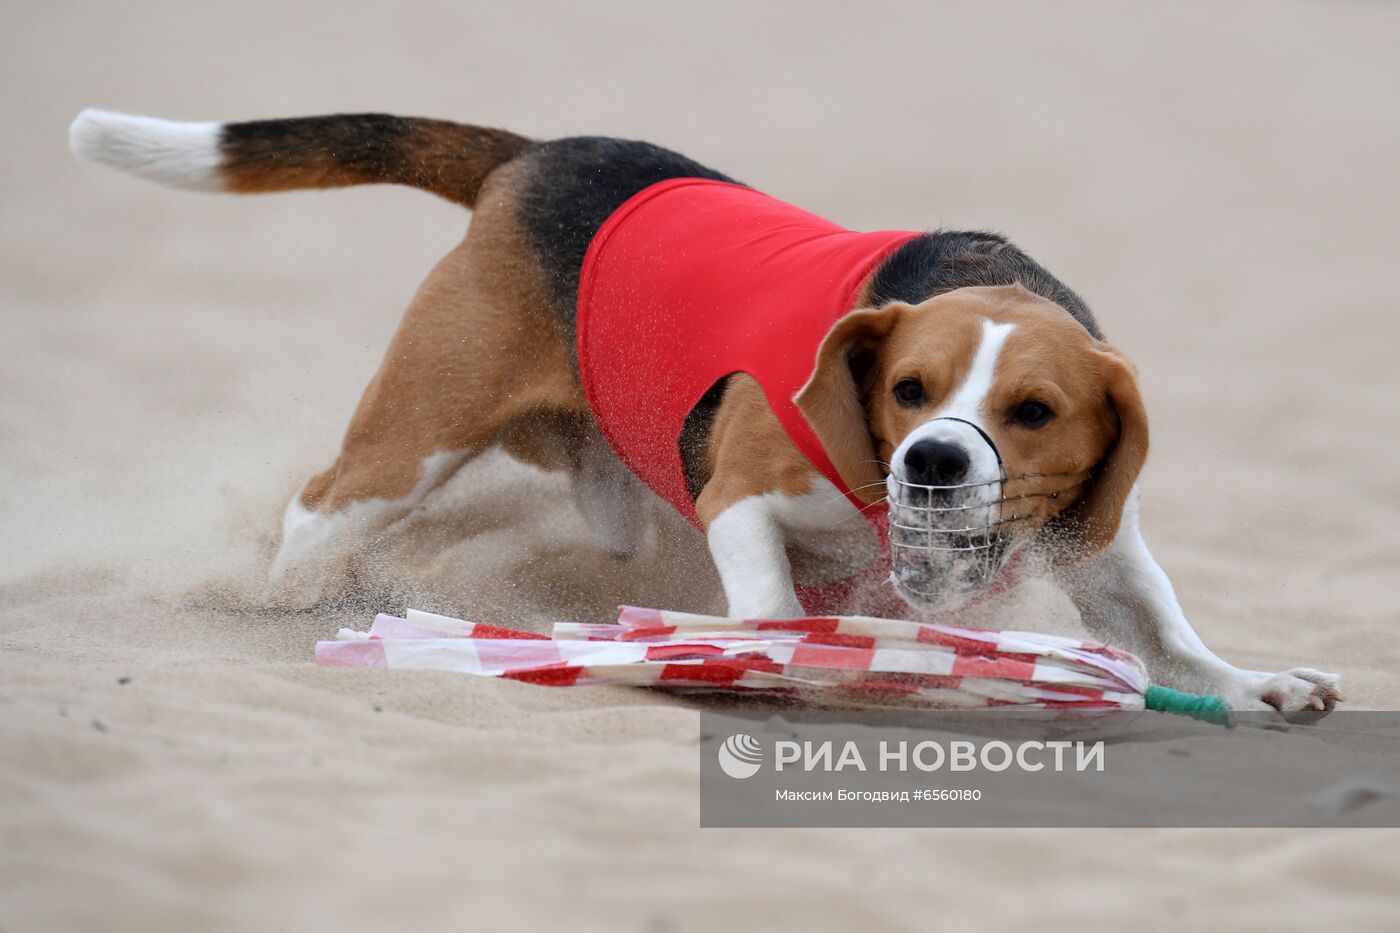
x,y
484,357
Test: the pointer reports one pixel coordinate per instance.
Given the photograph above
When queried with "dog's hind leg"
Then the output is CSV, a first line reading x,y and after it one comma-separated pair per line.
x,y
476,352
612,501
320,545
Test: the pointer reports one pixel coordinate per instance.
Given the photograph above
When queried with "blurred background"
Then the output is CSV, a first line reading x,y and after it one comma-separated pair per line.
x,y
1218,181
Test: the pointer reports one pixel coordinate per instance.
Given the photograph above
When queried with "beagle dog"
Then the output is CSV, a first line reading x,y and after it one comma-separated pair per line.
x,y
896,422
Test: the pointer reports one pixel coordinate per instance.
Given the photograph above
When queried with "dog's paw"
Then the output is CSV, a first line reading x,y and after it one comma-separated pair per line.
x,y
1300,690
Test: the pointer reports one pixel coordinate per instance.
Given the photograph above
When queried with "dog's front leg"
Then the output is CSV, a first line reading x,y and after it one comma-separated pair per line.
x,y
1127,600
747,543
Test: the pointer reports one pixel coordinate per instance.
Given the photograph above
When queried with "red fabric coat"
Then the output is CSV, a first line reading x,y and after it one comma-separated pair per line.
x,y
692,280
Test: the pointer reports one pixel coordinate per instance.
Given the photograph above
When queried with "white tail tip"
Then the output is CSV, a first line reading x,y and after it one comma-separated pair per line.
x,y
182,155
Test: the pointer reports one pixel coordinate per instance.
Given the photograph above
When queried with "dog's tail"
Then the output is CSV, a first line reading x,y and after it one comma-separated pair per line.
x,y
448,159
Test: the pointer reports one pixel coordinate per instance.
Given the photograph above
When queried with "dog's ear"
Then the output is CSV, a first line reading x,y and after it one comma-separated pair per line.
x,y
1096,516
833,400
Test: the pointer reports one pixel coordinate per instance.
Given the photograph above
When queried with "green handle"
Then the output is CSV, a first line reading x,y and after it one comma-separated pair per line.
x,y
1208,707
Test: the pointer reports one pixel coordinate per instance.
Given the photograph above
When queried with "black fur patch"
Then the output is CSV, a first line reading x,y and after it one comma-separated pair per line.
x,y
575,186
942,261
695,438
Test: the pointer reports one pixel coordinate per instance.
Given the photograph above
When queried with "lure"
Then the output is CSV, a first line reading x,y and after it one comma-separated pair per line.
x,y
833,661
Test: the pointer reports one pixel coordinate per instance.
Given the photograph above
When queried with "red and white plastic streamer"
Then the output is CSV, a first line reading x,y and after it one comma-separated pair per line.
x,y
838,661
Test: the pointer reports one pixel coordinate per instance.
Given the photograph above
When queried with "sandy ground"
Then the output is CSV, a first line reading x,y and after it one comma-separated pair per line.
x,y
1219,184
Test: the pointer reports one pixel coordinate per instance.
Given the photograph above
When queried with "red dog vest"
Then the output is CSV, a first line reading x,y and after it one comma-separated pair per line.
x,y
692,280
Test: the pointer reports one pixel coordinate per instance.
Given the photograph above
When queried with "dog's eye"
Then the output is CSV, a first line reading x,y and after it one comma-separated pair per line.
x,y
909,391
1032,414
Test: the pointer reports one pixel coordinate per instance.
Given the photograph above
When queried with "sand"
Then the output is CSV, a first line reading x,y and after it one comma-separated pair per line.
x,y
1218,183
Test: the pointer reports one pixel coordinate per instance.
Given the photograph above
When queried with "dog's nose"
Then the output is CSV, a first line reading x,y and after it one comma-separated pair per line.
x,y
935,463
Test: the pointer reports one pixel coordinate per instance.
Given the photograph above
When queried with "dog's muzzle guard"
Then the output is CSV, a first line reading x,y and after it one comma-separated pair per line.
x,y
949,543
